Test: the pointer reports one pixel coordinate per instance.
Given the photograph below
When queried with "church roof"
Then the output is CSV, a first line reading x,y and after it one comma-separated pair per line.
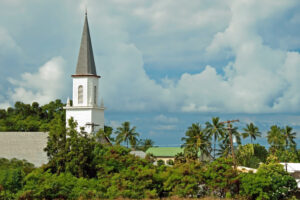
x,y
86,63
24,145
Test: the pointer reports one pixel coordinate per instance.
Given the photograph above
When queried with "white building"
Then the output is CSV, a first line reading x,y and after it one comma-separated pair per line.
x,y
85,109
294,170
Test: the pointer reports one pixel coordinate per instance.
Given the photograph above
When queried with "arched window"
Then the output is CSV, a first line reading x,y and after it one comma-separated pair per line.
x,y
95,95
80,94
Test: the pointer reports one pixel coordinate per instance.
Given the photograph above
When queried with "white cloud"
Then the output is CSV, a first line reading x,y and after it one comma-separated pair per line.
x,y
43,86
165,119
127,35
5,105
258,80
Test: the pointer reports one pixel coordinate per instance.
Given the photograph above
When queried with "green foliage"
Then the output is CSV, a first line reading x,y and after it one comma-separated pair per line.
x,y
81,168
11,181
215,130
127,134
196,140
184,180
45,185
221,177
170,162
283,144
276,138
160,162
270,182
250,155
125,175
70,151
144,144
251,131
12,173
225,146
26,117
288,155
180,158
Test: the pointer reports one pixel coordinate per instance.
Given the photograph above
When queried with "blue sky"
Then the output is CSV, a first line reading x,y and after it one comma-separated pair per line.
x,y
164,64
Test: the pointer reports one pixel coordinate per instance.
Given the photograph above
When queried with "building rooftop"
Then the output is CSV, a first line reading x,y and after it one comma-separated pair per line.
x,y
164,151
24,145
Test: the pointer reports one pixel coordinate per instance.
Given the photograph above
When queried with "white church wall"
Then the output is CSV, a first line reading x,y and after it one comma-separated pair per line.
x,y
88,84
81,116
91,83
98,118
77,81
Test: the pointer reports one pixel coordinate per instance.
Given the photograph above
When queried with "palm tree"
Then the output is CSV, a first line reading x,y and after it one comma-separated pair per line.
x,y
215,130
252,131
289,136
275,137
226,148
126,134
146,144
197,140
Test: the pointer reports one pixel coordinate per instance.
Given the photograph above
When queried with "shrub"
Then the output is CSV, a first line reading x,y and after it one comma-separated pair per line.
x,y
221,177
270,182
160,162
184,180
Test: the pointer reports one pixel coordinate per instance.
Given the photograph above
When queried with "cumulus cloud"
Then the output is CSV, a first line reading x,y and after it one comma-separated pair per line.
x,y
130,38
258,79
43,86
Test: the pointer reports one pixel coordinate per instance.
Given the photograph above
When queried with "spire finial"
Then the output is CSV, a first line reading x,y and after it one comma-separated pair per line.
x,y
85,11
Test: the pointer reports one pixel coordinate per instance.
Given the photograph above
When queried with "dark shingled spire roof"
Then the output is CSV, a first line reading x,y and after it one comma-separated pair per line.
x,y
86,63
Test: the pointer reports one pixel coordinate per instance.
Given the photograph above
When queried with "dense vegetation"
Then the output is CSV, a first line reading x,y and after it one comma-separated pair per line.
x,y
81,167
26,117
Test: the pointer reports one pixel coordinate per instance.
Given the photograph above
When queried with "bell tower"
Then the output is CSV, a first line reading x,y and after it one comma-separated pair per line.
x,y
85,109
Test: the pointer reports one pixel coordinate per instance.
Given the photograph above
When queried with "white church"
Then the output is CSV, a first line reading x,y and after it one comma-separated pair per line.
x,y
85,110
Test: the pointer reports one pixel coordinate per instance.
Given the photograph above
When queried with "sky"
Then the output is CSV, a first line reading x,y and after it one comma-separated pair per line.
x,y
164,64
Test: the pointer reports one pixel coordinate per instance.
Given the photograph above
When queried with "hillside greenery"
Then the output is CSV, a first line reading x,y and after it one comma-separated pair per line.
x,y
80,167
26,117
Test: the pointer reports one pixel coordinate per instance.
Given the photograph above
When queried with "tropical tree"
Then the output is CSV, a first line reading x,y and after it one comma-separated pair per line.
x,y
224,149
276,138
106,133
127,134
145,144
216,130
251,131
197,140
289,136
227,145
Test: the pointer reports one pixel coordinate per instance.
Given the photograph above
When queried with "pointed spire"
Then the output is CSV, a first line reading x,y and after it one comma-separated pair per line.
x,y
86,63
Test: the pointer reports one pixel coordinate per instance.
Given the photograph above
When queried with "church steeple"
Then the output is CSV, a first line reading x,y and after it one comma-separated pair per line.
x,y
84,109
86,63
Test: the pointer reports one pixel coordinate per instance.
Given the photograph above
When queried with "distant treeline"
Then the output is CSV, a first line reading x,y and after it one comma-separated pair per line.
x,y
26,117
